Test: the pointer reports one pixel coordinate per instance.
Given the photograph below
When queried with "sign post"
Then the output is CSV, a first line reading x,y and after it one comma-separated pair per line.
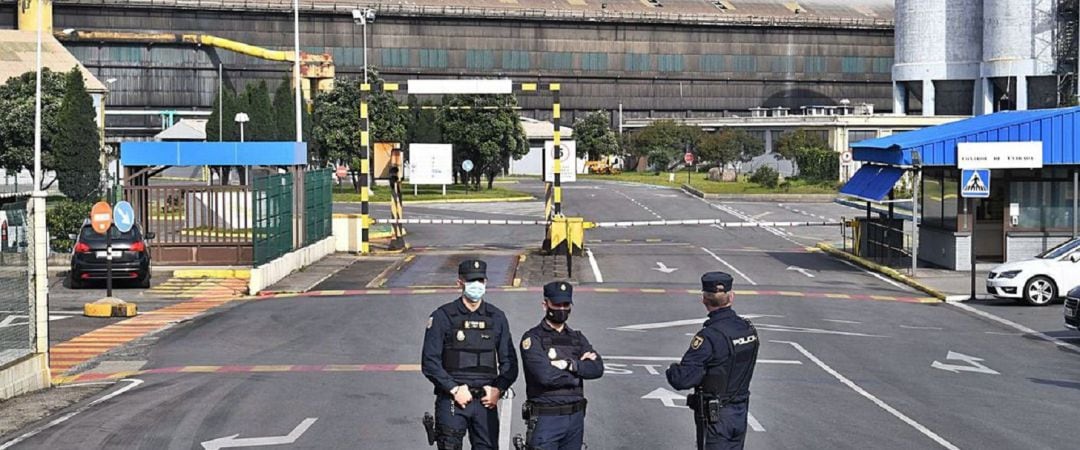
x,y
101,219
974,183
689,158
467,166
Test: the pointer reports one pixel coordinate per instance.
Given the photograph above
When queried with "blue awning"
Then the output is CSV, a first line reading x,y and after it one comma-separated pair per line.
x,y
872,183
213,153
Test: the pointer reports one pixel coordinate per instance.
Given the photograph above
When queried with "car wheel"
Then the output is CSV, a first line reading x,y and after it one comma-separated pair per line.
x,y
75,283
1040,291
144,282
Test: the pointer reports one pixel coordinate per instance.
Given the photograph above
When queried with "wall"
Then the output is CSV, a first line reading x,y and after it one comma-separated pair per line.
x,y
945,248
1021,246
267,274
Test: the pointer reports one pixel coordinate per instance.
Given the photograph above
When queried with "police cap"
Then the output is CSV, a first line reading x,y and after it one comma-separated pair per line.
x,y
716,282
472,270
559,292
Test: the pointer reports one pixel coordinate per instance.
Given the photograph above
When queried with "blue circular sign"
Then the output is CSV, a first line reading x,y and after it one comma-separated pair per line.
x,y
124,216
467,165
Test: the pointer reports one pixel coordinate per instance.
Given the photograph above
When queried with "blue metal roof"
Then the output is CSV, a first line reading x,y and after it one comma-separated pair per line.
x,y
1057,129
213,153
872,183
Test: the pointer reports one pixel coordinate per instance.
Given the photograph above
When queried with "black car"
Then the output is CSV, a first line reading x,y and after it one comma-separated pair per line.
x,y
131,256
1072,309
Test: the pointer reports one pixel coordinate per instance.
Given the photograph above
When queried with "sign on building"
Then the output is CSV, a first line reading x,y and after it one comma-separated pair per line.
x,y
999,155
431,164
975,183
568,161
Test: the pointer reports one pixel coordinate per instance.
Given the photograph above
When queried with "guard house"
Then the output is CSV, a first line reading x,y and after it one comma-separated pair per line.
x,y
1028,211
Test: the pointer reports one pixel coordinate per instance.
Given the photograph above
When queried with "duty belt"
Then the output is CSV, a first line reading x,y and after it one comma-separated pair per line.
x,y
558,410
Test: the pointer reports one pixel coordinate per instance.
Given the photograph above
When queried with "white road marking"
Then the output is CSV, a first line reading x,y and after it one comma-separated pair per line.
x,y
801,270
754,424
632,199
661,267
729,266
232,441
667,398
506,408
841,321
875,275
911,327
679,323
974,364
1016,326
785,328
881,404
68,416
789,362
1001,333
595,267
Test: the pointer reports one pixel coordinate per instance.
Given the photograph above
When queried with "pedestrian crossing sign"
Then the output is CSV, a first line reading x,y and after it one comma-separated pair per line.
x,y
975,183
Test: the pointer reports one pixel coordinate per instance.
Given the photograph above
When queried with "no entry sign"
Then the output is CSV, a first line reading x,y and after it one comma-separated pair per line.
x,y
689,158
101,217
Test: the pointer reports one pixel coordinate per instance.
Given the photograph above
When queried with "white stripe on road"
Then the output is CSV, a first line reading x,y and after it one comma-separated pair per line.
x,y
754,424
881,404
841,321
1016,326
595,268
876,275
506,407
910,327
790,362
729,266
68,416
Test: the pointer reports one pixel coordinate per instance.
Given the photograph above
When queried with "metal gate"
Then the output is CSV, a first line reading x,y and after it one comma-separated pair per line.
x,y
193,224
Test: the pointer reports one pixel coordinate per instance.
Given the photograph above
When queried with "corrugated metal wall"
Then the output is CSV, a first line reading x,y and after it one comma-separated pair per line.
x,y
660,70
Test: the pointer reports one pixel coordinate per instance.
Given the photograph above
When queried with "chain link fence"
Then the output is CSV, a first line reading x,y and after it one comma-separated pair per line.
x,y
16,316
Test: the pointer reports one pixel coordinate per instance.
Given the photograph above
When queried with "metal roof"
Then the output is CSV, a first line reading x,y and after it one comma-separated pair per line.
x,y
1057,129
183,153
18,56
872,183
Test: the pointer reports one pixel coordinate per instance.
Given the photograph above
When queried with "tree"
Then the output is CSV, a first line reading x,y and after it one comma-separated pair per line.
x,y
285,117
744,146
17,118
594,136
77,143
717,148
423,126
810,152
227,110
663,142
488,132
260,126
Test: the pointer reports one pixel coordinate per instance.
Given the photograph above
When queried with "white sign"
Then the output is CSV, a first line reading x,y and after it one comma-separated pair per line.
x,y
431,164
568,161
460,86
999,155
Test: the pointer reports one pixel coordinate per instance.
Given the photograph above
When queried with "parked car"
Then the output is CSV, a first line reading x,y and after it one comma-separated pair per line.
x,y
1072,309
131,256
1038,281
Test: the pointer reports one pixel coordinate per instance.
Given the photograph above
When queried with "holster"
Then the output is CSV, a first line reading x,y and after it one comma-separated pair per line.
x,y
706,406
429,428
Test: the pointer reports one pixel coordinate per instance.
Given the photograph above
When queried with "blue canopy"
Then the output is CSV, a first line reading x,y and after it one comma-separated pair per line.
x,y
1057,129
213,153
872,183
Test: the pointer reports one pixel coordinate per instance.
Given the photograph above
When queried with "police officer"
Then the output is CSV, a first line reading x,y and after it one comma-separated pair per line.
x,y
557,360
718,366
469,356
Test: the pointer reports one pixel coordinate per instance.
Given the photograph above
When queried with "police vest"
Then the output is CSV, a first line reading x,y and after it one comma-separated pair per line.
x,y
470,345
566,346
731,381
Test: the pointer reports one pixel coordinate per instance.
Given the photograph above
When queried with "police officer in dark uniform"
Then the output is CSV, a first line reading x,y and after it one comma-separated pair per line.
x,y
557,360
469,356
718,366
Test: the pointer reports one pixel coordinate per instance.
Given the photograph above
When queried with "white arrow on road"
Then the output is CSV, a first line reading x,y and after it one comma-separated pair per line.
x,y
801,270
666,397
233,441
663,268
679,323
974,364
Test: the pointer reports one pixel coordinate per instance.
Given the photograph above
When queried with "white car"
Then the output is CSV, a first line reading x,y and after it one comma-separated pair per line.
x,y
1038,281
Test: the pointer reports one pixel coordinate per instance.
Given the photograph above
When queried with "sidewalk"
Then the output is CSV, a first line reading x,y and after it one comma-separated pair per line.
x,y
955,284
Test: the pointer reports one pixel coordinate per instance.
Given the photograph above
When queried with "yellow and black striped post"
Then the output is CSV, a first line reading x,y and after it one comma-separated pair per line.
x,y
365,142
556,154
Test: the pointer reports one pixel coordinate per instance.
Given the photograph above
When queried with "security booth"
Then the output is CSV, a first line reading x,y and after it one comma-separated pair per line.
x,y
1033,158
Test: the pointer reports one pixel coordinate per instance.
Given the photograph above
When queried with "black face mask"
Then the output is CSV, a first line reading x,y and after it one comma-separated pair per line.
x,y
558,316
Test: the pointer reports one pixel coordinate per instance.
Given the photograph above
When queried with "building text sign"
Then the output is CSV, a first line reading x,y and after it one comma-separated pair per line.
x,y
999,155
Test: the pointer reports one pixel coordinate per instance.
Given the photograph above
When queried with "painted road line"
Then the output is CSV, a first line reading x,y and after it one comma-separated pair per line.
x,y
881,404
875,275
64,418
1016,326
729,266
790,362
841,321
595,268
912,327
754,424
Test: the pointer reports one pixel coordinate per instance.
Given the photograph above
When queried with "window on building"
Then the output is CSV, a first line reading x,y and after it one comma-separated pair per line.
x,y
744,63
480,59
559,61
125,54
515,60
853,64
670,63
815,64
636,62
1044,205
594,61
855,136
932,193
950,199
434,59
883,65
395,57
711,63
783,64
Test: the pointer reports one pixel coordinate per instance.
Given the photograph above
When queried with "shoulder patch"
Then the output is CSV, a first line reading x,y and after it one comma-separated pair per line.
x,y
430,319
526,343
696,342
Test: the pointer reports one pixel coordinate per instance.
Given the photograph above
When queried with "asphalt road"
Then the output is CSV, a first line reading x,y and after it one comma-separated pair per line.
x,y
848,360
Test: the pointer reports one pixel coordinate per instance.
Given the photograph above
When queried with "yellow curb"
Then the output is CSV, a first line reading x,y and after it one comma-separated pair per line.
x,y
887,271
212,273
110,307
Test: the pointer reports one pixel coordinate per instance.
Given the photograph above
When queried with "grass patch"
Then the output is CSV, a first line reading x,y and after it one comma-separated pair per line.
x,y
453,192
700,181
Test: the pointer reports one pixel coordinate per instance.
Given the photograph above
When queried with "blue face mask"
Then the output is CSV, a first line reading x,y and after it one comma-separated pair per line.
x,y
474,290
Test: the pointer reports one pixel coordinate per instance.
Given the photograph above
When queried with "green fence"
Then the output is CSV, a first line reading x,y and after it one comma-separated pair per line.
x,y
318,207
272,234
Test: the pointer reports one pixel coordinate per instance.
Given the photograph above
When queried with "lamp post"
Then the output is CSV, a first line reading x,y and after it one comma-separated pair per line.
x,y
241,118
362,17
296,70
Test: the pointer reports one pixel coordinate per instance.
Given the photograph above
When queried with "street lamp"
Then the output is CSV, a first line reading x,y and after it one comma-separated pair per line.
x,y
362,17
296,70
241,118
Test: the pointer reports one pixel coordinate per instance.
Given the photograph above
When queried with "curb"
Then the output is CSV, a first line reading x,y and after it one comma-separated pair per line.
x,y
763,198
887,271
243,274
452,200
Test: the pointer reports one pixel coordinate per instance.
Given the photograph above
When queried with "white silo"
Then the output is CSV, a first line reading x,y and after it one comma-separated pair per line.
x,y
1018,54
938,55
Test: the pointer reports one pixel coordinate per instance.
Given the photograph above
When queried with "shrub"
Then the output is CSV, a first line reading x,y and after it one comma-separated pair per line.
x,y
818,165
766,176
63,218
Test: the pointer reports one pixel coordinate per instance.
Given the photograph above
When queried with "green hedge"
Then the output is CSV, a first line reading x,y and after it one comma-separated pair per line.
x,y
63,218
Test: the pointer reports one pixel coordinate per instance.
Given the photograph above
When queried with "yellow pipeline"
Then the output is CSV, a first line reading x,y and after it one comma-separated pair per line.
x,y
239,47
28,15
